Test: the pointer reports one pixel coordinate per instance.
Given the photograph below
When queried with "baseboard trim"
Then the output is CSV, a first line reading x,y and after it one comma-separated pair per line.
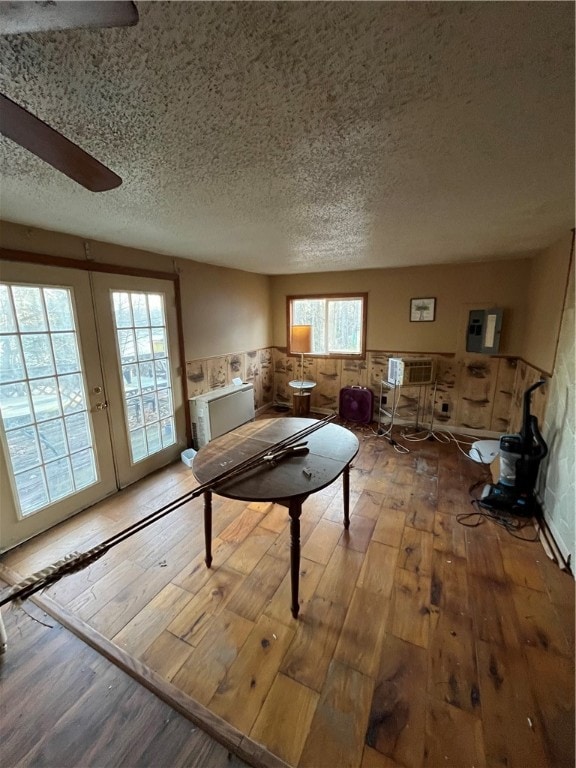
x,y
562,551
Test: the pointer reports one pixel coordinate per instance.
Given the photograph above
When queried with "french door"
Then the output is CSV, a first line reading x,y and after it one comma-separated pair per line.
x,y
90,398
141,372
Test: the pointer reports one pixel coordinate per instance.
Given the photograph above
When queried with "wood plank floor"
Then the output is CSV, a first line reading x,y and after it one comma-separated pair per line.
x,y
63,704
420,642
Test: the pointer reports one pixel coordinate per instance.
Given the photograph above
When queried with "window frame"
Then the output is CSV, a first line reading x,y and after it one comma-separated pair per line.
x,y
327,297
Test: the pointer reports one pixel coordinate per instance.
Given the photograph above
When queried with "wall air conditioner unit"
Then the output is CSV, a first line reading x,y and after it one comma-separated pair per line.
x,y
410,371
217,412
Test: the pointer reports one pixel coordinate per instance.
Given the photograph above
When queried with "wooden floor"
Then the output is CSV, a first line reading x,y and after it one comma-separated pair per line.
x,y
419,642
63,704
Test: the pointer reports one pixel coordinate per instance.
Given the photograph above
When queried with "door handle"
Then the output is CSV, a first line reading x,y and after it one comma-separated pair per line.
x,y
102,406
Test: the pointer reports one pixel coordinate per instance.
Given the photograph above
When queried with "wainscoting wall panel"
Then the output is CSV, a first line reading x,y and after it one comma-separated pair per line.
x,y
473,392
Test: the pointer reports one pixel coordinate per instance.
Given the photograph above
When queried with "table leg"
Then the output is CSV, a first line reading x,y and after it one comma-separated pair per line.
x,y
208,527
295,510
346,489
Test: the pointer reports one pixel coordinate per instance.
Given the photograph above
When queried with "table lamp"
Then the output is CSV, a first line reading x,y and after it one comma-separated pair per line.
x,y
301,341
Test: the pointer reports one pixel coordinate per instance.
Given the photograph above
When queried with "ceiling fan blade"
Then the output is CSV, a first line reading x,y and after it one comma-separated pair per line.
x,y
39,138
19,17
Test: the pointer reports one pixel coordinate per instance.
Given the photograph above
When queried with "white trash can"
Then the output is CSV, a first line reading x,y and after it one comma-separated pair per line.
x,y
187,456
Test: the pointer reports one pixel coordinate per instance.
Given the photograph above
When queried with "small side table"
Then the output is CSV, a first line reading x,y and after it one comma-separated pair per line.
x,y
301,396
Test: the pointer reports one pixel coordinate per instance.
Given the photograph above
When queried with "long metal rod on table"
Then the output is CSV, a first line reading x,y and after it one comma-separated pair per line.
x,y
77,561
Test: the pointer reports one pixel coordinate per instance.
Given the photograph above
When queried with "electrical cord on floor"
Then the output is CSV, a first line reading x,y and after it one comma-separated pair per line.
x,y
367,432
416,437
478,483
387,435
382,432
485,512
398,447
444,436
363,430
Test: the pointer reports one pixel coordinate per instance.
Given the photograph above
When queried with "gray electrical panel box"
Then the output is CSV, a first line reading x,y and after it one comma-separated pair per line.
x,y
484,328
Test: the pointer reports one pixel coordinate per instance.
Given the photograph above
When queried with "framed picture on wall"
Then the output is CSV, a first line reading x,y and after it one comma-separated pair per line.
x,y
422,310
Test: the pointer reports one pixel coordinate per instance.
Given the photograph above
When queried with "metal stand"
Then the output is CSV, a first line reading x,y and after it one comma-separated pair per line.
x,y
420,406
384,411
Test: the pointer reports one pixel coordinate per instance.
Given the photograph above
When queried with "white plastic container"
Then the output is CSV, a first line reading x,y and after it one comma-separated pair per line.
x,y
187,456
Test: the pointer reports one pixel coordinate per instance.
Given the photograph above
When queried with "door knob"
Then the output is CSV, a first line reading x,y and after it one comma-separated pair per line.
x,y
101,406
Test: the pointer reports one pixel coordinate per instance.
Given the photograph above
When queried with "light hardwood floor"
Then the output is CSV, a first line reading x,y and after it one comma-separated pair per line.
x,y
419,642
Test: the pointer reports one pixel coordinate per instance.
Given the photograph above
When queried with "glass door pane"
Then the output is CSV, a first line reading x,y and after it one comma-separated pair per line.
x,y
143,357
43,401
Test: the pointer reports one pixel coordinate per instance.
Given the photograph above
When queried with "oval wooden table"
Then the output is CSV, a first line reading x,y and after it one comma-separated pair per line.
x,y
289,482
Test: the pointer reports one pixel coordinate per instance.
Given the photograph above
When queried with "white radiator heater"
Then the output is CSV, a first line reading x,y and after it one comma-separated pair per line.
x,y
220,411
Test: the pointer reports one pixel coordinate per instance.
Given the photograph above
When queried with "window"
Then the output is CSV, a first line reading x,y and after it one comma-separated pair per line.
x,y
338,322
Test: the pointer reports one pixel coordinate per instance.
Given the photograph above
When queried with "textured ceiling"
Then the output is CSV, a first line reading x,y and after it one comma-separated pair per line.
x,y
297,137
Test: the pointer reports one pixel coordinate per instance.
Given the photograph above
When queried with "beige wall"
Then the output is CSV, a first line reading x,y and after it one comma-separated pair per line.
x,y
224,310
458,288
548,279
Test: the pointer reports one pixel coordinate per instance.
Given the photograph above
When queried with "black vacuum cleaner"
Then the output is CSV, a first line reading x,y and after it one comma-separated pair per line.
x,y
520,457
